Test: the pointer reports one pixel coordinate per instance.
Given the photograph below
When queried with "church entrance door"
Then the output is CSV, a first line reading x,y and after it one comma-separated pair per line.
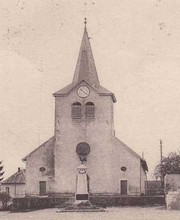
x,y
42,188
123,187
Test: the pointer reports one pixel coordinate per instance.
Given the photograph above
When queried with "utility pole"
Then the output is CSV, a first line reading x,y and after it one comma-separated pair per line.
x,y
1,171
161,162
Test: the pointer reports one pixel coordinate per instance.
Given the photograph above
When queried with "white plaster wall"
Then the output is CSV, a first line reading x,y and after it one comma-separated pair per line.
x,y
69,133
43,157
134,173
104,162
106,156
172,182
15,190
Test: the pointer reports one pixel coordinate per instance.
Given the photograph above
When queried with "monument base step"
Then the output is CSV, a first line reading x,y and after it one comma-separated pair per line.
x,y
80,207
81,210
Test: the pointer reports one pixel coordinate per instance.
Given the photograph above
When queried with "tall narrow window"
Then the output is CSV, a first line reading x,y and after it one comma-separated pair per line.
x,y
89,110
7,190
76,110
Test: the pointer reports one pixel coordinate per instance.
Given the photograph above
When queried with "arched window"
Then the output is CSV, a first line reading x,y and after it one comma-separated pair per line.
x,y
76,110
89,110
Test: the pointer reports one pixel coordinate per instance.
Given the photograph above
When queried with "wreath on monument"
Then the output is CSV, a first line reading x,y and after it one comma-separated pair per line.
x,y
82,150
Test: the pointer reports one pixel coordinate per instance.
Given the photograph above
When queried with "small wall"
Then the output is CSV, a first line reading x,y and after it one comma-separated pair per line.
x,y
104,201
127,200
173,200
153,188
35,203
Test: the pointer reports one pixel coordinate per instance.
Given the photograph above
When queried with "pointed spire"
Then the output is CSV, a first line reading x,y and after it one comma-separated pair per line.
x,y
85,68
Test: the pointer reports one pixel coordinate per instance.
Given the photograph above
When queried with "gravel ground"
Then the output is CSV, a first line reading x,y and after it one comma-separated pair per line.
x,y
120,213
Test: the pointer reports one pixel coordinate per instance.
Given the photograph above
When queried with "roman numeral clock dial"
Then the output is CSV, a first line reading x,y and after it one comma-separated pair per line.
x,y
83,91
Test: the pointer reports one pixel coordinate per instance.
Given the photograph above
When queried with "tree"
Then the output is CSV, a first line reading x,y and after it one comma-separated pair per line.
x,y
1,171
170,164
4,198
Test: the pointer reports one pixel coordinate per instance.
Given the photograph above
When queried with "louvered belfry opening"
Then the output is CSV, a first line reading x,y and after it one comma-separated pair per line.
x,y
89,110
76,110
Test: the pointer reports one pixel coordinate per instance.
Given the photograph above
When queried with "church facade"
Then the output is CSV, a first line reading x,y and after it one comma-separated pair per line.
x,y
84,134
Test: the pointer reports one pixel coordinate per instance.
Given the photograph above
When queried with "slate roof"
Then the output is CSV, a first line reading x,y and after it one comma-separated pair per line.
x,y
85,71
85,68
16,178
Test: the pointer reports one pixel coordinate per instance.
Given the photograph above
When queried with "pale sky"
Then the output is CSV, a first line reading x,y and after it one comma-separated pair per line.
x,y
136,46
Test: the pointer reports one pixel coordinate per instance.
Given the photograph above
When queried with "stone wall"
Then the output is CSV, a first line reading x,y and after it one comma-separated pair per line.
x,y
173,200
104,201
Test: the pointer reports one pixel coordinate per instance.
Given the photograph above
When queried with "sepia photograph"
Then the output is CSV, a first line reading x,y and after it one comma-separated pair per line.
x,y
89,109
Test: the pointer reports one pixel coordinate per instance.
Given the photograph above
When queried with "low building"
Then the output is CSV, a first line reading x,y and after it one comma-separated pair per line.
x,y
15,184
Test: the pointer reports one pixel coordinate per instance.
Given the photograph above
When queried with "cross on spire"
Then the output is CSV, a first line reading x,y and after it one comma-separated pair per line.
x,y
85,22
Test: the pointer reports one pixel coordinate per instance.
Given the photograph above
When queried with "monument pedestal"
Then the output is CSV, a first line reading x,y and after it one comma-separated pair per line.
x,y
82,203
82,194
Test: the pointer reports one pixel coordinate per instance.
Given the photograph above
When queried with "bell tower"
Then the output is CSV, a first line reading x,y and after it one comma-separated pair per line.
x,y
83,117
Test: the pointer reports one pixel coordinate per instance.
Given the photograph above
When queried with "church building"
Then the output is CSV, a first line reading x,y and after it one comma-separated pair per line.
x,y
84,136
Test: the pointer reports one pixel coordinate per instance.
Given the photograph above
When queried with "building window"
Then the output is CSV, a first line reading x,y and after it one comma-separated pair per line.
x,y
7,190
42,169
42,188
89,110
76,110
123,168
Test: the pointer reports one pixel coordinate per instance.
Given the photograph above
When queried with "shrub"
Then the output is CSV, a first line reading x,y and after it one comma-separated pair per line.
x,y
4,198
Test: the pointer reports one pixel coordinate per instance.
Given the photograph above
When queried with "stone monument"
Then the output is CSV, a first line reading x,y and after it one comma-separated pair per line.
x,y
82,194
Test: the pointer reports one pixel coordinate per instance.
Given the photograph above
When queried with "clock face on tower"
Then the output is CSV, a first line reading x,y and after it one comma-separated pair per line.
x,y
83,91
